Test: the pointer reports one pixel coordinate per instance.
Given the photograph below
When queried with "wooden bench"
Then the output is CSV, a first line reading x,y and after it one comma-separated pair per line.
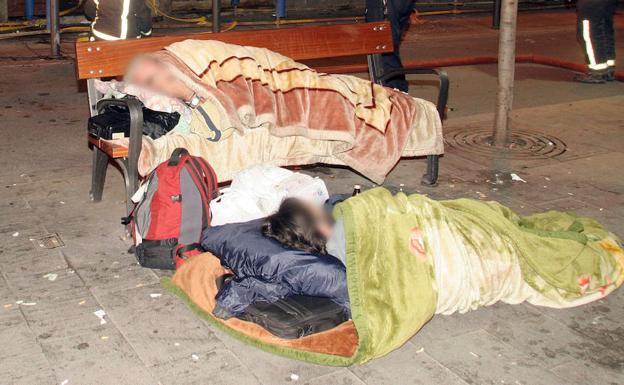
x,y
108,59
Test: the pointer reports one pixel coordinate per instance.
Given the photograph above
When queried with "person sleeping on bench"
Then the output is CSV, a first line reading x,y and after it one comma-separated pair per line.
x,y
252,105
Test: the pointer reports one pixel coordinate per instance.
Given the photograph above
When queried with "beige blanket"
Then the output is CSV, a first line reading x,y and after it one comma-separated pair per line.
x,y
241,150
274,110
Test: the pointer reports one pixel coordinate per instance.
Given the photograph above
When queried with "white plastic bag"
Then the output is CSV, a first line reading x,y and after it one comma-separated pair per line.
x,y
258,191
234,206
304,187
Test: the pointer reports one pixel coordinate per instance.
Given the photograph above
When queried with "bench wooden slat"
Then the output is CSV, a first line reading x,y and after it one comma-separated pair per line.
x,y
112,150
110,58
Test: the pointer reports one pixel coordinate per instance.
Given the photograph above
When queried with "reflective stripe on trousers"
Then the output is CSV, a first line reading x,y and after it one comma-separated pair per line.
x,y
589,49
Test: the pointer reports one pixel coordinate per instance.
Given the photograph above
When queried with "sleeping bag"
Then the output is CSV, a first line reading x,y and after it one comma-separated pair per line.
x,y
410,257
266,271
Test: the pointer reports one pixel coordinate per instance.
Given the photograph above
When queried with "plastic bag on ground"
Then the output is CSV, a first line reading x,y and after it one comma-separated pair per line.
x,y
258,191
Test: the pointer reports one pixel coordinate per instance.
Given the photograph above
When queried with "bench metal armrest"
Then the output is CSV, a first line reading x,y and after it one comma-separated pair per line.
x,y
442,76
135,108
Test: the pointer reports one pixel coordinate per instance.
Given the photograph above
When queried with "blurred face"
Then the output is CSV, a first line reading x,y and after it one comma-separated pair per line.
x,y
155,76
324,223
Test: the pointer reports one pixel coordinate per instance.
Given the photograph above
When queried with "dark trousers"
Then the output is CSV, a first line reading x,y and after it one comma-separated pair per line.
x,y
595,32
399,12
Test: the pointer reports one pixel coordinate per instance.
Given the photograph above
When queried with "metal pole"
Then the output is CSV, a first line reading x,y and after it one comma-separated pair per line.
x,y
216,16
53,27
506,69
280,9
496,14
29,9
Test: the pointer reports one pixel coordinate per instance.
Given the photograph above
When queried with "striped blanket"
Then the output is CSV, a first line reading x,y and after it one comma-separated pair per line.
x,y
313,117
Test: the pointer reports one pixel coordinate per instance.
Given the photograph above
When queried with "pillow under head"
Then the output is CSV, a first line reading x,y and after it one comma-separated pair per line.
x,y
265,270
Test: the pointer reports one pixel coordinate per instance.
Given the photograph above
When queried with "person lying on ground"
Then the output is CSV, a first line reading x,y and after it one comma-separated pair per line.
x,y
287,263
480,252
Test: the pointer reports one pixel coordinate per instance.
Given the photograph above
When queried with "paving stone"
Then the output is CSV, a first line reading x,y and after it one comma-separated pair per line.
x,y
442,327
271,369
55,309
27,371
409,365
480,358
94,250
69,184
160,329
96,357
585,372
21,357
341,377
16,235
594,170
549,341
10,314
600,325
65,316
12,206
214,367
118,274
40,289
35,260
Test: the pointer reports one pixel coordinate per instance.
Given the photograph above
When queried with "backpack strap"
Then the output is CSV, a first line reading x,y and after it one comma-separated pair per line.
x,y
176,155
185,252
212,184
181,157
199,178
186,248
211,125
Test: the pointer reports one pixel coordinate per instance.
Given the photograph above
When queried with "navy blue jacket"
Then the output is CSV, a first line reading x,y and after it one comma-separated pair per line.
x,y
266,271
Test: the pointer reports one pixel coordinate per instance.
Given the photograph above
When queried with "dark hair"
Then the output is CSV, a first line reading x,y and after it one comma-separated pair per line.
x,y
294,226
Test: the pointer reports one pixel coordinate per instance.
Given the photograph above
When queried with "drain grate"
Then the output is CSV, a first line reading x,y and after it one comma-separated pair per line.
x,y
524,144
49,241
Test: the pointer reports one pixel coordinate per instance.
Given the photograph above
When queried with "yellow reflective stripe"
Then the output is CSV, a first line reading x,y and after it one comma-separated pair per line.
x,y
124,19
597,67
589,49
103,35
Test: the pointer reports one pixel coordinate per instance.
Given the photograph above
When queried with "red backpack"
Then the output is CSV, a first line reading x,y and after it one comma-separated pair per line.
x,y
168,221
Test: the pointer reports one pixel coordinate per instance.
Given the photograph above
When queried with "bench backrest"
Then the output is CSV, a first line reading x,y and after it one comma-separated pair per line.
x,y
110,58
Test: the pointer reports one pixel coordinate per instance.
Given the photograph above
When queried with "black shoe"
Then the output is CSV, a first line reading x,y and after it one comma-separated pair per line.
x,y
590,78
610,75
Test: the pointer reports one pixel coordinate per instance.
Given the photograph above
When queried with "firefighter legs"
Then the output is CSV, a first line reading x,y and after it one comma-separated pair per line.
x,y
596,35
399,12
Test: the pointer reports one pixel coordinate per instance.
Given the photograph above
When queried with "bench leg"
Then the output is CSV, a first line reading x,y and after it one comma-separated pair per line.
x,y
123,166
98,174
431,177
443,93
129,183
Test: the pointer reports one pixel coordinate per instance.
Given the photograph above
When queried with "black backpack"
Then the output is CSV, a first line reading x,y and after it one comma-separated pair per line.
x,y
295,316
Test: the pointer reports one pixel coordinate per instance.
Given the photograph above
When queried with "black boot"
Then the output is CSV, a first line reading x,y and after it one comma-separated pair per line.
x,y
591,77
610,75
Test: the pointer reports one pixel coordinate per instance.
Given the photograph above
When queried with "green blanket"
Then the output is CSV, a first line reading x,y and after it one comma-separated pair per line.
x,y
396,243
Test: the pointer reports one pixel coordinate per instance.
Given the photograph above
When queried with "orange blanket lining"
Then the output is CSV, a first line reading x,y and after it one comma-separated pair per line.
x,y
197,278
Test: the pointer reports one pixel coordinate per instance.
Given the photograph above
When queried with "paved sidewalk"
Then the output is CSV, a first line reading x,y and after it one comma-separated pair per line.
x,y
50,335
